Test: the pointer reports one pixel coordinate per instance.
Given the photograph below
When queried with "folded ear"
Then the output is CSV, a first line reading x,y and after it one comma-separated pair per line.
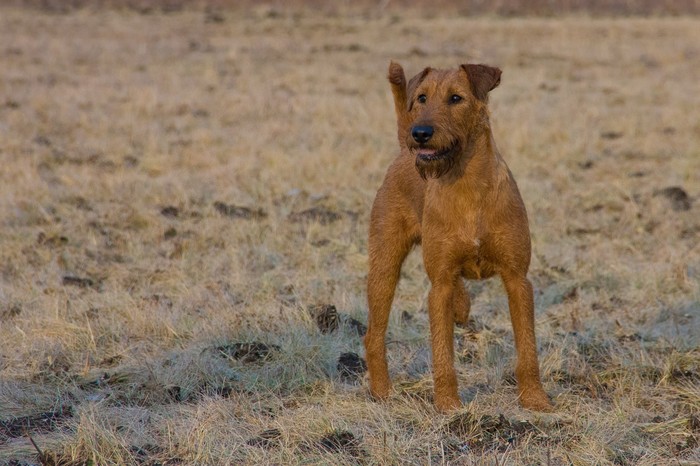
x,y
397,79
482,79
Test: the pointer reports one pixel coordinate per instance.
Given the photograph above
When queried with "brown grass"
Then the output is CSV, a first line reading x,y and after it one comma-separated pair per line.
x,y
124,287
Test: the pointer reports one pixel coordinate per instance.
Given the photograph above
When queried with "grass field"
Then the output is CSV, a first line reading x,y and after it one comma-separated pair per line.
x,y
175,185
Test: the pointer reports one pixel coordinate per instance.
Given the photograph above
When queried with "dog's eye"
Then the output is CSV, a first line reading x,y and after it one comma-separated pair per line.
x,y
455,98
422,98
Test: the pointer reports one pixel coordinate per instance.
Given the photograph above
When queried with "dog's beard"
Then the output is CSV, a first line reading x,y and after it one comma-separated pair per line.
x,y
429,167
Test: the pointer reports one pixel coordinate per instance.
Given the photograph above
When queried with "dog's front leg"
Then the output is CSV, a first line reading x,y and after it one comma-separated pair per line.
x,y
441,313
388,247
522,315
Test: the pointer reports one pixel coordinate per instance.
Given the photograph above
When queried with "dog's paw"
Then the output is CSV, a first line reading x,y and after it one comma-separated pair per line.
x,y
446,405
380,390
536,401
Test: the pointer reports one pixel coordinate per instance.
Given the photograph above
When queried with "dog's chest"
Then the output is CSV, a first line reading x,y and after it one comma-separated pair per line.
x,y
474,251
470,232
463,227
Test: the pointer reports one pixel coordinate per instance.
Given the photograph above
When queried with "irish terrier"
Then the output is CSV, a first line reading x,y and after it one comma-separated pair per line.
x,y
450,190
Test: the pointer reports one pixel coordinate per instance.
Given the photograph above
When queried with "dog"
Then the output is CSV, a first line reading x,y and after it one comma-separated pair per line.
x,y
450,191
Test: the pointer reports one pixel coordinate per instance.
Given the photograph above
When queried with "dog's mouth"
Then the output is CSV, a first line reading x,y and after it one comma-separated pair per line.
x,y
432,162
431,155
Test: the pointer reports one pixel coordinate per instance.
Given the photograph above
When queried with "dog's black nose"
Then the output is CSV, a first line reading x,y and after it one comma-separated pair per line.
x,y
422,134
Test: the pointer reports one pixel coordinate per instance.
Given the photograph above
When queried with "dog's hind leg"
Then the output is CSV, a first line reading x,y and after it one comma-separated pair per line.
x,y
461,304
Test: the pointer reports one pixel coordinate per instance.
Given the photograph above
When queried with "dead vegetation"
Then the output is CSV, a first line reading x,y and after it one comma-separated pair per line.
x,y
183,211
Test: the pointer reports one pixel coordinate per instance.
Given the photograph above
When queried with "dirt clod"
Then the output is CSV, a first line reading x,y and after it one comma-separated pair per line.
x,y
326,316
322,215
213,16
52,241
33,424
328,319
80,282
10,311
355,325
611,134
266,439
680,201
341,441
170,212
351,366
176,393
248,352
234,211
488,432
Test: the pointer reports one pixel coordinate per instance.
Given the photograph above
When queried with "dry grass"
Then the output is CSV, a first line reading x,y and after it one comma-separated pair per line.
x,y
124,287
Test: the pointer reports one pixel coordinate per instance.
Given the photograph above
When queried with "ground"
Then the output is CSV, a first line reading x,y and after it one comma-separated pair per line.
x,y
184,199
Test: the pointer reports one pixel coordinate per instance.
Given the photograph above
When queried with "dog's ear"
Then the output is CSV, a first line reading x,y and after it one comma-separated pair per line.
x,y
397,79
482,79
401,92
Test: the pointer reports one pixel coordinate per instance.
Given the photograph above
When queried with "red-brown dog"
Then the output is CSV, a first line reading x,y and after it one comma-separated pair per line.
x,y
450,190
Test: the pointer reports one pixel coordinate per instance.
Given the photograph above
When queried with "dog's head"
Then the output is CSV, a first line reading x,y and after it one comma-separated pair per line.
x,y
440,112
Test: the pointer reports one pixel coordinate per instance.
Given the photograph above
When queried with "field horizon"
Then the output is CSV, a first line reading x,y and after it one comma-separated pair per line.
x,y
436,8
185,201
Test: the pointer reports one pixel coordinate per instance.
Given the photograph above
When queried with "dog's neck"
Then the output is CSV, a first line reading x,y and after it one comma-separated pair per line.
x,y
477,164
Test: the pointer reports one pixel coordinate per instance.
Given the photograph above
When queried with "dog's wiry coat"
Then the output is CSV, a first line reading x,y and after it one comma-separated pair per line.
x,y
450,190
